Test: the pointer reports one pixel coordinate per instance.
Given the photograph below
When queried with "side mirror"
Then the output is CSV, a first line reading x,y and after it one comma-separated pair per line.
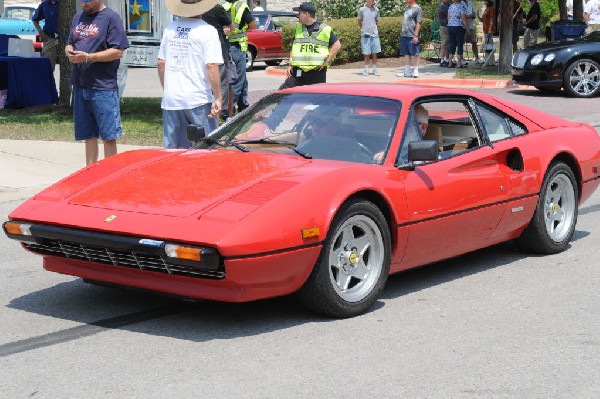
x,y
423,150
195,133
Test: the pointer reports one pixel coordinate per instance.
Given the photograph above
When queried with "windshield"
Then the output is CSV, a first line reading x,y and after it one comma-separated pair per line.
x,y
319,126
24,13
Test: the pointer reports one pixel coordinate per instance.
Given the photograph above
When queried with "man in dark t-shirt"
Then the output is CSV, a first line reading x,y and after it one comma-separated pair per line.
x,y
47,11
94,47
532,24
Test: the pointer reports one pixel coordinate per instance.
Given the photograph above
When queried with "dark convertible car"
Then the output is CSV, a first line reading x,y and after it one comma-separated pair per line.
x,y
573,65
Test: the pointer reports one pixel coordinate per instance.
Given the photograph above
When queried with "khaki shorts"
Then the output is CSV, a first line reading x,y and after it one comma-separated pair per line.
x,y
444,37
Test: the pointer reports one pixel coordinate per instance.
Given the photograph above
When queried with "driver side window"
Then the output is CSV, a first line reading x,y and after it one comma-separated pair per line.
x,y
448,122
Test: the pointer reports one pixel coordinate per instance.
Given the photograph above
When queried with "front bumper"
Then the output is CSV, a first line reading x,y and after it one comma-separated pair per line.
x,y
141,263
538,77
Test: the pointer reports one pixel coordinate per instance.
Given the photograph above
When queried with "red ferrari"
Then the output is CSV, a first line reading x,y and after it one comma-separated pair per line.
x,y
322,191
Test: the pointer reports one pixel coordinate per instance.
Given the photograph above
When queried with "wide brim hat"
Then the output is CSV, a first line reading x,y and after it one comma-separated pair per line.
x,y
190,8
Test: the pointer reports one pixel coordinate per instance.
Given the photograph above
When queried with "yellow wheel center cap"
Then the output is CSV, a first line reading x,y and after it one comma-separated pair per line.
x,y
554,207
353,258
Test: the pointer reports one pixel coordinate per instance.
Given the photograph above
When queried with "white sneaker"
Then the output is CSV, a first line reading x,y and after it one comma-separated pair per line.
x,y
479,61
365,71
375,71
415,73
405,74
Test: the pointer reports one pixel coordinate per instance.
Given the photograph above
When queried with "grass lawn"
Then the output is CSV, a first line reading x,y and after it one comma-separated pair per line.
x,y
481,73
141,119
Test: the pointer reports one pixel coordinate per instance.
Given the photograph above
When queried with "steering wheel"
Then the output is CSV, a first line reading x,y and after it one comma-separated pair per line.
x,y
366,150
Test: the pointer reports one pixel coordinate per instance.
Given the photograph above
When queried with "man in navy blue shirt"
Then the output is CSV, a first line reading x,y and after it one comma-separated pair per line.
x,y
47,11
95,47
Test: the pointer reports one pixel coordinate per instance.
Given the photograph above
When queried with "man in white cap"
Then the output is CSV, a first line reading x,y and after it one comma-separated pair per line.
x,y
188,68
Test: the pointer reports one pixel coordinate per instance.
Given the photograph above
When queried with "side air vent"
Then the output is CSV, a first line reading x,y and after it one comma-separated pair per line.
x,y
514,160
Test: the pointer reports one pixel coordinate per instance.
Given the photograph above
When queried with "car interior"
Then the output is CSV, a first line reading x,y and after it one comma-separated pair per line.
x,y
453,125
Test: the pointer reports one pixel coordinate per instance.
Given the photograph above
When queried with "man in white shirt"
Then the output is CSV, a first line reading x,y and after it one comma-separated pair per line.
x,y
591,16
188,68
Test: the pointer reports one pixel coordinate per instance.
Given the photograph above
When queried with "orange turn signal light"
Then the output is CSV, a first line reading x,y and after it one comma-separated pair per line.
x,y
310,232
183,252
17,228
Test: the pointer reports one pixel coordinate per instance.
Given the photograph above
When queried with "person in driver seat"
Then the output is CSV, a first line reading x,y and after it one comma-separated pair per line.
x,y
422,116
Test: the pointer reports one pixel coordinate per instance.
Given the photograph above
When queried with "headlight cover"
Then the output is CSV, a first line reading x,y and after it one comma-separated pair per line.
x,y
538,58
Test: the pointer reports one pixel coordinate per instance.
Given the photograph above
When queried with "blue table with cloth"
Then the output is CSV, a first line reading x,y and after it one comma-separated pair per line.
x,y
28,81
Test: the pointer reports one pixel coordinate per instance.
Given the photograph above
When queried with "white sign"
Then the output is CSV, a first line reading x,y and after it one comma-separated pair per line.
x,y
141,56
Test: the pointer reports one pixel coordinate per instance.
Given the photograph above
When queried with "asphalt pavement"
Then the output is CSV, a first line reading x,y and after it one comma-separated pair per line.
x,y
33,165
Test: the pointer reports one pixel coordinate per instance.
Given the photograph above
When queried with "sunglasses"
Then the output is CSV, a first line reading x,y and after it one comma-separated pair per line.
x,y
85,1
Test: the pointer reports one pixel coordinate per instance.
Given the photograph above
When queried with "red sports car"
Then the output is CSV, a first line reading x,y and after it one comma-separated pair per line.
x,y
264,42
322,191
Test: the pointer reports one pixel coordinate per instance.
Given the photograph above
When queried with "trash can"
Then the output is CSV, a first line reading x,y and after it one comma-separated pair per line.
x,y
567,30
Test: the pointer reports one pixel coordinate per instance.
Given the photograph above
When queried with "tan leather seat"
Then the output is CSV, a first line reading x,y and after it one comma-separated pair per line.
x,y
434,133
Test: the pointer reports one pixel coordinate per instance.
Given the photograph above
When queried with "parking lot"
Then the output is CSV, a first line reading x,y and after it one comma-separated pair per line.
x,y
495,323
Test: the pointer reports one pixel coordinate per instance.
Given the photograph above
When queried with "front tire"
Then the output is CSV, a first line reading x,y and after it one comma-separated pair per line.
x,y
582,78
354,263
555,217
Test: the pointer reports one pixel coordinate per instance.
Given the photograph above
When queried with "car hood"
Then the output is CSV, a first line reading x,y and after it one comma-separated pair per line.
x,y
169,183
560,45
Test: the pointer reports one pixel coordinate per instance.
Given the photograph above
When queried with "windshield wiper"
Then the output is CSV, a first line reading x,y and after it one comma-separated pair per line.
x,y
280,142
208,140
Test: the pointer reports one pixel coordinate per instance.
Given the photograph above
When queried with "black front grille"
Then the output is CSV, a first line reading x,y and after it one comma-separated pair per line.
x,y
120,258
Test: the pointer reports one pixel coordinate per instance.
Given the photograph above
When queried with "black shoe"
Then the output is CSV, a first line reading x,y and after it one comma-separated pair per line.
x,y
444,64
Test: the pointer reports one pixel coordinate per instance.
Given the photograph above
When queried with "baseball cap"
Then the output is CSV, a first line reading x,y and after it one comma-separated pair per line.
x,y
306,6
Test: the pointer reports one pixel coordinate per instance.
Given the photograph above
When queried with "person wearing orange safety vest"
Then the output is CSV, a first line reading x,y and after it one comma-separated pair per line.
x,y
314,49
242,20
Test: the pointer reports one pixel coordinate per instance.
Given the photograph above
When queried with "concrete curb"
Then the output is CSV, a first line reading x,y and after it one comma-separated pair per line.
x,y
423,81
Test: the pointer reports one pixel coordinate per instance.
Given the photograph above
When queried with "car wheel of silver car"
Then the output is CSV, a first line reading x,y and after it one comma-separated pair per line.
x,y
354,263
555,217
582,78
250,55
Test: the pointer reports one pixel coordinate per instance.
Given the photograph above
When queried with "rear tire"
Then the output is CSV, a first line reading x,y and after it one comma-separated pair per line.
x,y
273,62
250,56
555,217
354,263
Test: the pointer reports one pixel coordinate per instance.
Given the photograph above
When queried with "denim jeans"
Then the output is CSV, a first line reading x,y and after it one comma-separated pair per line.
x,y
456,40
175,123
96,114
240,85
